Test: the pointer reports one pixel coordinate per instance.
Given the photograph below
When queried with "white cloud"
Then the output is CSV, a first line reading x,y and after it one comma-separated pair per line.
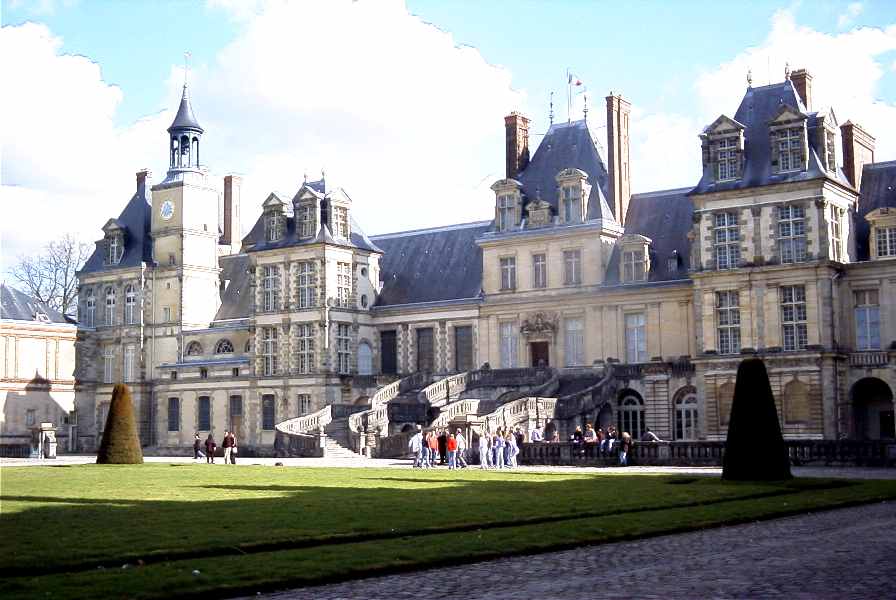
x,y
853,10
40,8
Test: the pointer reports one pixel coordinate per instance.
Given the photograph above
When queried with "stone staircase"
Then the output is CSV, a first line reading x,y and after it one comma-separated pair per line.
x,y
336,440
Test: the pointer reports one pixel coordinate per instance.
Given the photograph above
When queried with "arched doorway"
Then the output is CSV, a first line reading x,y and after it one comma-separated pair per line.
x,y
630,415
872,403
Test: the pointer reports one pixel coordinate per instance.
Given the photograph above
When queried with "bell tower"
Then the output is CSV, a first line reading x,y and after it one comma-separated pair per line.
x,y
185,133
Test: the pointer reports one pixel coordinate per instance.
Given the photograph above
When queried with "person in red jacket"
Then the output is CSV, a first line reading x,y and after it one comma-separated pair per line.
x,y
451,445
433,442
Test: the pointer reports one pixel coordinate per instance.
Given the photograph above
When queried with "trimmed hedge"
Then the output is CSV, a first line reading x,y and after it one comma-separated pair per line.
x,y
121,444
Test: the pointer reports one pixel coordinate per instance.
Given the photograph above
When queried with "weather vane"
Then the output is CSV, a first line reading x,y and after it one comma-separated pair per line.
x,y
749,77
187,56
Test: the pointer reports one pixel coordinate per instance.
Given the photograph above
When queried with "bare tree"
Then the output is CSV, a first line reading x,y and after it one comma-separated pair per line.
x,y
50,276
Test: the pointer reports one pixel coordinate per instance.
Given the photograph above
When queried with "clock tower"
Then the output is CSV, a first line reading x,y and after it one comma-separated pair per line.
x,y
185,233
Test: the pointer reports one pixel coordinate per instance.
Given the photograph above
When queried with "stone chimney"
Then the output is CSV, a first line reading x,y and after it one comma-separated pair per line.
x,y
802,82
231,221
516,129
858,150
142,176
618,111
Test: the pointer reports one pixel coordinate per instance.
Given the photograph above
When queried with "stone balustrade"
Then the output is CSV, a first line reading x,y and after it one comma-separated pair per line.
x,y
869,359
313,423
508,377
439,392
521,412
455,410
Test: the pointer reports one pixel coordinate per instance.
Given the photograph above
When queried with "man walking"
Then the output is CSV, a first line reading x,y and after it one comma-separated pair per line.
x,y
415,445
227,445
461,450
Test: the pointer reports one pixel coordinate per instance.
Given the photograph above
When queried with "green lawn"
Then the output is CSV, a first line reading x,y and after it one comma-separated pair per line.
x,y
254,528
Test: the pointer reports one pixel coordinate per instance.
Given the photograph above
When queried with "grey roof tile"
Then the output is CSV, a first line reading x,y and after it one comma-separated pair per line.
x,y
19,306
135,219
878,191
236,300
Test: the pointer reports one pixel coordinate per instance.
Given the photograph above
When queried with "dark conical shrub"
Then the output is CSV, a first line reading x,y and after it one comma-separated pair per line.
x,y
121,445
755,450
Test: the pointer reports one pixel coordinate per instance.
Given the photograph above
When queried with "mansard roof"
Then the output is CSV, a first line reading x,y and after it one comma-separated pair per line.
x,y
759,107
431,265
567,146
665,217
878,191
236,299
135,221
19,306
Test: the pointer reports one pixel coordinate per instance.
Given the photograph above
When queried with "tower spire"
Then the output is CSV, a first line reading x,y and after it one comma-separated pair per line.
x,y
185,130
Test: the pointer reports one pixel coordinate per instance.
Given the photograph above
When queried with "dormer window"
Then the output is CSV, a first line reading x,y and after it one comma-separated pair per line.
x,y
340,222
883,233
305,217
574,190
571,210
722,146
274,227
508,204
635,258
506,212
886,241
726,158
114,248
790,149
830,150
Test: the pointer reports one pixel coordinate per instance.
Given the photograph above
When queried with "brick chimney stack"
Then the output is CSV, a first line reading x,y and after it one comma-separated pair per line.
x,y
858,150
618,111
142,176
231,221
516,129
802,82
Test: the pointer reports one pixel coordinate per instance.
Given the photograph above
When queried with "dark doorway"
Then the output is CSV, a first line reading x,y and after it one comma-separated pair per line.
x,y
540,354
887,425
388,352
236,415
425,348
872,402
463,348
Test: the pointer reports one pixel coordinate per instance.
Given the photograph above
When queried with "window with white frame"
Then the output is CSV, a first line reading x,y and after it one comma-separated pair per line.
x,y
728,321
108,365
307,284
344,284
867,314
836,220
115,249
790,149
793,317
110,306
727,240
269,351
631,416
686,417
635,338
509,343
166,314
886,241
726,158
268,412
271,288
830,147
572,267
506,212
305,347
89,309
274,226
575,343
571,204
539,271
340,222
792,233
634,266
130,305
343,348
130,358
508,273
306,221
304,404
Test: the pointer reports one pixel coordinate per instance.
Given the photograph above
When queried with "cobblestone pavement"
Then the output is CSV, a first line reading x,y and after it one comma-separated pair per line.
x,y
840,554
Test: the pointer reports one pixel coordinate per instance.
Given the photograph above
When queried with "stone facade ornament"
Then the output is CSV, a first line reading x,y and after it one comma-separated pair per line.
x,y
540,324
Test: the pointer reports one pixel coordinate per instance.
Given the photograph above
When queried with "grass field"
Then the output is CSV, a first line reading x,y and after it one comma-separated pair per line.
x,y
68,531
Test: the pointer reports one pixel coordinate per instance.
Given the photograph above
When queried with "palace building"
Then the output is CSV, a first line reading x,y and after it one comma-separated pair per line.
x,y
607,306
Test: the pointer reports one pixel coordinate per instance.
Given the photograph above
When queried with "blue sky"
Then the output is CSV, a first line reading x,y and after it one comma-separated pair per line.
x,y
406,116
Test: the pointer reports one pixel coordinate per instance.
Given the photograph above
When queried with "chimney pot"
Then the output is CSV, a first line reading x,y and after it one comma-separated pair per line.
x,y
516,130
618,111
230,230
858,150
802,83
142,176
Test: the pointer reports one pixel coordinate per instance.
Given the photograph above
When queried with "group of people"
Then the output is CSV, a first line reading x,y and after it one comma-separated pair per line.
x,y
605,440
229,445
499,450
438,446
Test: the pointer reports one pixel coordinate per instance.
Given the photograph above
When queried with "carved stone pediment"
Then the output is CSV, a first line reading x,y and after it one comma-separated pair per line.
x,y
539,324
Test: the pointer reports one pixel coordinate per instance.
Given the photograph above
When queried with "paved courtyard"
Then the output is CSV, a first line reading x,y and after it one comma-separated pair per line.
x,y
838,554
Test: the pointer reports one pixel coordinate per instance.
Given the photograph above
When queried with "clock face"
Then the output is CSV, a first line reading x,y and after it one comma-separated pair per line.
x,y
167,210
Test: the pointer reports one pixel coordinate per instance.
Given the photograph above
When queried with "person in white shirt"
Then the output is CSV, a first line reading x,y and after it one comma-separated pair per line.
x,y
415,445
461,450
484,451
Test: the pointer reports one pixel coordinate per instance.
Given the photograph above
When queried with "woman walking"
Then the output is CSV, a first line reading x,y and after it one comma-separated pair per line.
x,y
484,452
210,447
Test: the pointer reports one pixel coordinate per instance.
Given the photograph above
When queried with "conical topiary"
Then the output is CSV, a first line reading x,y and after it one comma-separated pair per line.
x,y
121,444
755,450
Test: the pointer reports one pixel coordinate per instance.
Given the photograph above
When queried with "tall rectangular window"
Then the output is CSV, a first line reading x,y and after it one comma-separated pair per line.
x,y
830,147
269,350
30,417
271,288
344,348
634,267
304,404
727,240
506,212
572,204
886,241
726,158
867,312
508,273
463,348
267,412
572,267
306,221
792,233
205,413
236,413
793,317
425,349
575,343
635,338
340,222
389,352
173,414
89,309
306,284
274,227
130,305
344,284
110,306
305,347
728,321
790,149
836,219
129,363
539,271
108,365
509,345
166,314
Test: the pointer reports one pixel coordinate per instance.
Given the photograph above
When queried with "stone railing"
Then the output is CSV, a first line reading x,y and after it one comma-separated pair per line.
x,y
521,411
304,445
313,423
452,411
870,358
393,446
831,452
441,391
508,377
376,415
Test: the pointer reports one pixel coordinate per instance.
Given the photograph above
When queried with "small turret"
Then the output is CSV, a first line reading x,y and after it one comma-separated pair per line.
x,y
185,133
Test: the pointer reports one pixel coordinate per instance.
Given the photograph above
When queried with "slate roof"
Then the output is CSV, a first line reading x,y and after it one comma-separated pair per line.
x,y
135,219
431,265
565,146
185,119
236,300
665,217
19,306
878,191
759,106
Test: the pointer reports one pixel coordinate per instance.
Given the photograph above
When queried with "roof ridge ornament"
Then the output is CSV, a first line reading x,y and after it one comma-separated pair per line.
x,y
749,78
187,56
787,71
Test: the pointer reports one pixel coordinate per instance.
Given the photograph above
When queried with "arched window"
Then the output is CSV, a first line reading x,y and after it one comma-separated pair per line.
x,y
725,396
130,305
686,416
194,349
365,359
631,415
110,306
89,319
224,347
796,402
184,151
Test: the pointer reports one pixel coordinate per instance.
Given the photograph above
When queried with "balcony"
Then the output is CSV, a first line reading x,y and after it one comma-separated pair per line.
x,y
869,359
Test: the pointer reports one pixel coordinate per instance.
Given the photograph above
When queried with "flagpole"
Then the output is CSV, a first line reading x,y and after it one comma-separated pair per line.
x,y
568,96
